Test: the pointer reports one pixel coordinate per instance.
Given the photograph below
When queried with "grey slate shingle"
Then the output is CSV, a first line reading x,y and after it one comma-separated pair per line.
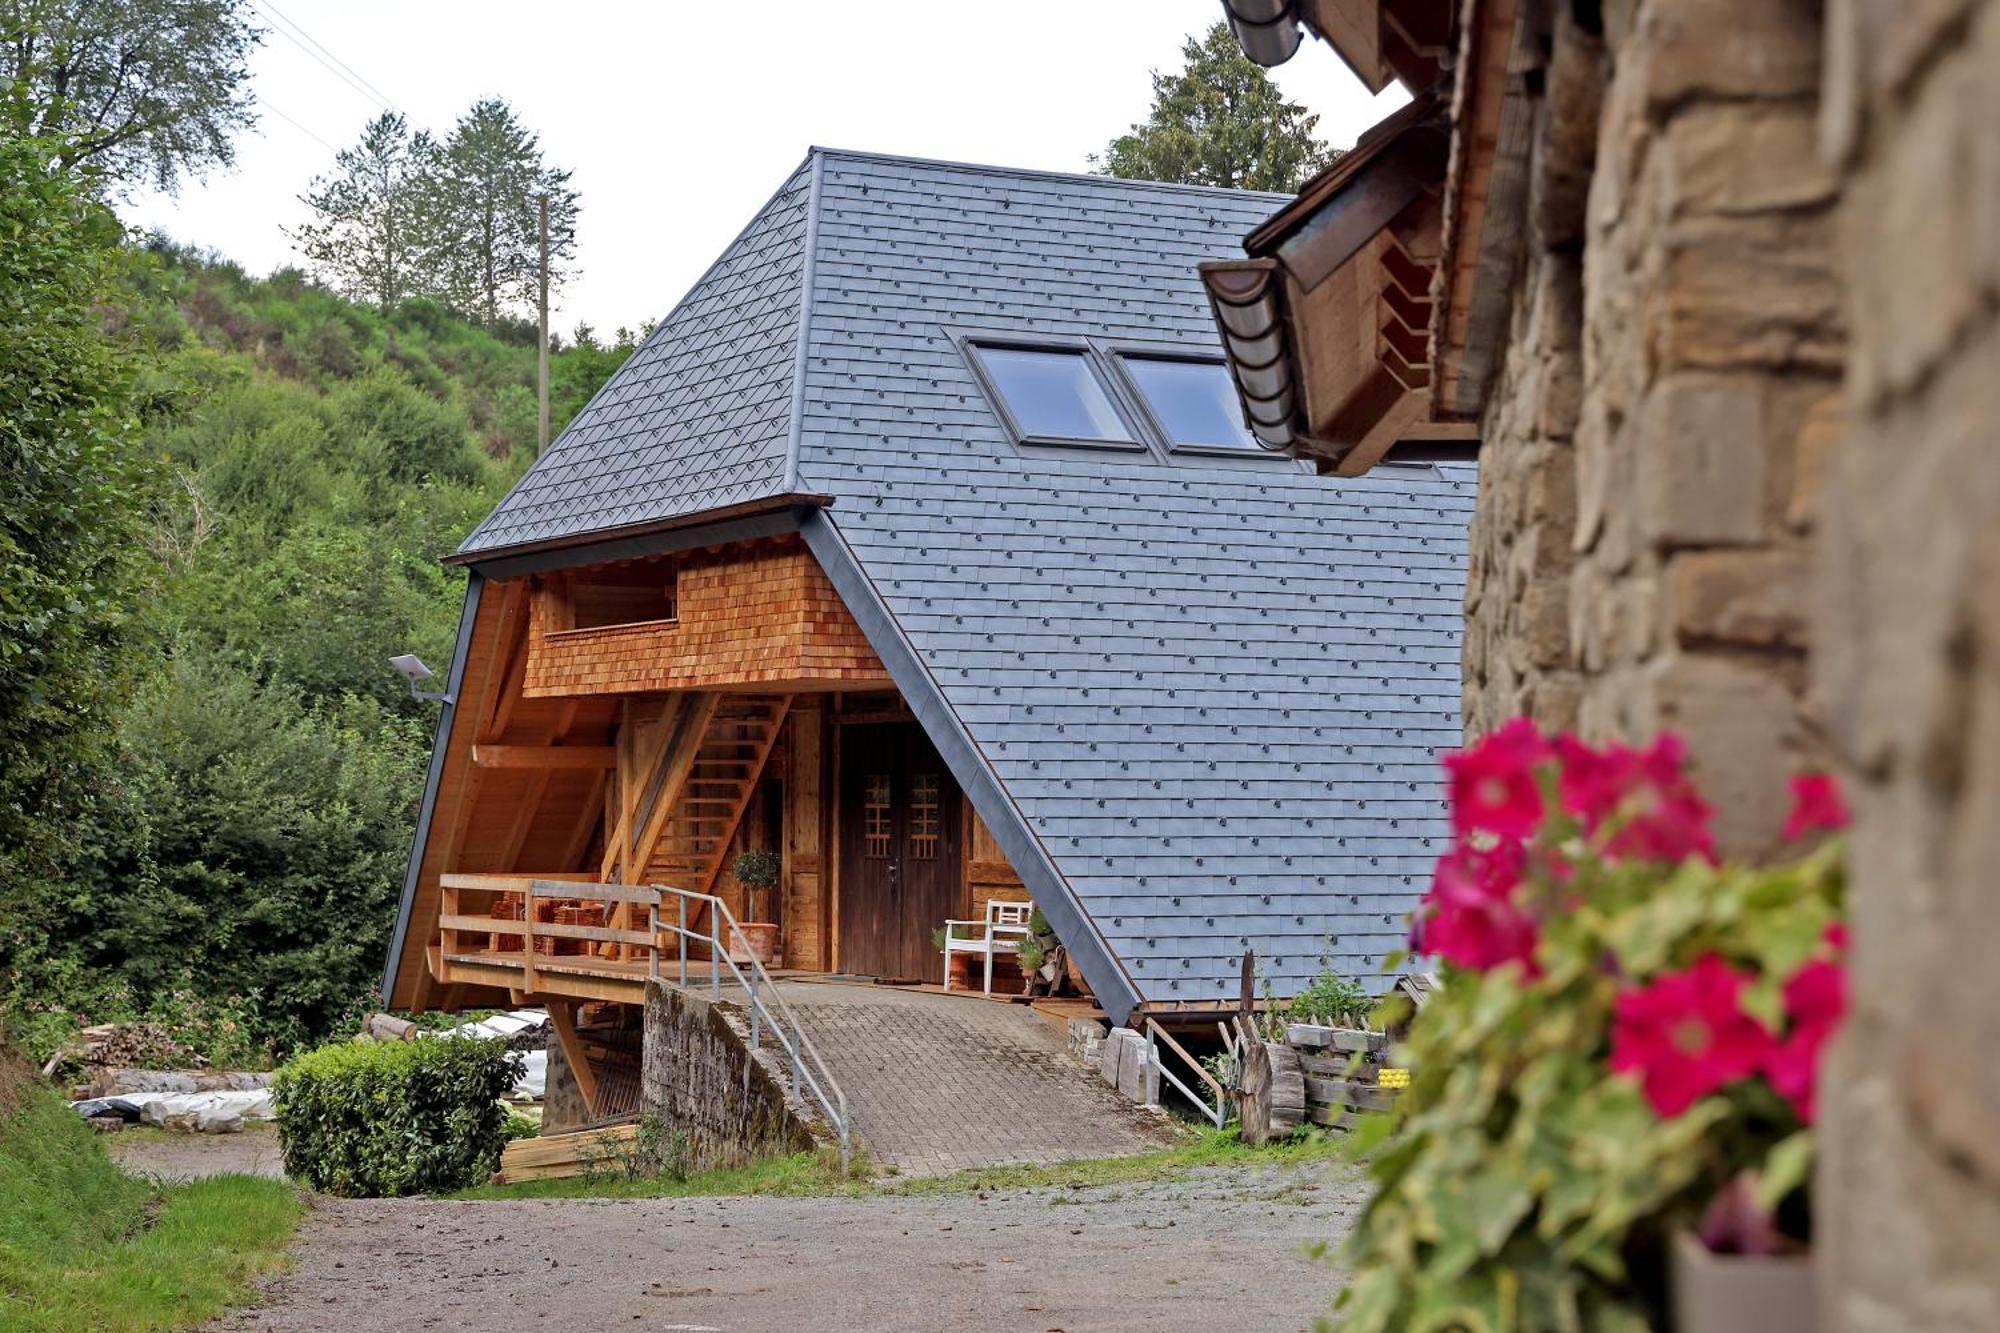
x,y
1214,693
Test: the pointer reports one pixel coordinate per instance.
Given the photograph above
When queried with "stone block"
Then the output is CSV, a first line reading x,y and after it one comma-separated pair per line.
x,y
1701,446
1821,433
1734,158
1134,1077
1918,206
1112,1053
1686,50
1740,722
1754,292
1754,599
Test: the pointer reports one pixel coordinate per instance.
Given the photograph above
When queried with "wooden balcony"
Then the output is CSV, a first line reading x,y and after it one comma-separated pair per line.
x,y
544,935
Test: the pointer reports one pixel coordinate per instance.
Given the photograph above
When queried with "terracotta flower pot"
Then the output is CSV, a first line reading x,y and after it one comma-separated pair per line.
x,y
762,937
1740,1293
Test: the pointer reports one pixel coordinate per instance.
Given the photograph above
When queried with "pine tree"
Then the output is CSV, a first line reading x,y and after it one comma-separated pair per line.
x,y
1219,121
483,197
373,214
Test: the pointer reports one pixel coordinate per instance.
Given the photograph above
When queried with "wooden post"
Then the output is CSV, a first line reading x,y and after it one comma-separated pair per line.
x,y
542,360
1253,1072
562,1017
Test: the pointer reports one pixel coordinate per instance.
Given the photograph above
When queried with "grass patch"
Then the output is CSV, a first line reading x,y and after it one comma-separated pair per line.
x,y
800,1175
1210,1148
819,1175
83,1245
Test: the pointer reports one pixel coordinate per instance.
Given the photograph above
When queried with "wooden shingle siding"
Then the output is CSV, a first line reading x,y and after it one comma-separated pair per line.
x,y
754,614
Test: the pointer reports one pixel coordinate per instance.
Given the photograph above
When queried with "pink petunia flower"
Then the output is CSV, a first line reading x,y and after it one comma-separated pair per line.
x,y
1647,794
1470,916
1493,785
1815,1002
1686,1034
1816,804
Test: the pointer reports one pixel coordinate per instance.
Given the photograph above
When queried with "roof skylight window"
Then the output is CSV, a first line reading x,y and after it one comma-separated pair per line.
x,y
1053,395
1194,403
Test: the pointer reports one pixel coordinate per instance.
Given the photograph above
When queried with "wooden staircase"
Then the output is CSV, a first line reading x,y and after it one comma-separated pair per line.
x,y
721,776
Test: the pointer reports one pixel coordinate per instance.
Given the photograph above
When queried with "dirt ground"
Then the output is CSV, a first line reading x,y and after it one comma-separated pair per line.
x,y
1223,1249
168,1156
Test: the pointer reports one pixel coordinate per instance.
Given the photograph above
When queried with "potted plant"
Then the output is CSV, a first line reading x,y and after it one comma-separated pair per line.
x,y
959,965
758,872
1609,1117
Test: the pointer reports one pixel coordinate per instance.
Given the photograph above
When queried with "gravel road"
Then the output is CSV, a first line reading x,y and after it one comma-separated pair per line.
x,y
1222,1249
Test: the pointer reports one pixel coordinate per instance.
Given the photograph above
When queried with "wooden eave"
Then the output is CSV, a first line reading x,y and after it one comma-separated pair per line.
x,y
586,544
1485,197
1327,325
1384,41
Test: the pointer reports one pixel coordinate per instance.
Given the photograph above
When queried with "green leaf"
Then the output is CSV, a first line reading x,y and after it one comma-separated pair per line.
x,y
1786,1167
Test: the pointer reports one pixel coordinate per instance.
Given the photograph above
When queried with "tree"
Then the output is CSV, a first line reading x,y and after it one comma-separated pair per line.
x,y
1219,121
129,89
73,500
484,199
371,215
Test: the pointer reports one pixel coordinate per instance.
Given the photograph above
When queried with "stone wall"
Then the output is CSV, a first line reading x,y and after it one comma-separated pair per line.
x,y
1642,544
1907,667
717,1104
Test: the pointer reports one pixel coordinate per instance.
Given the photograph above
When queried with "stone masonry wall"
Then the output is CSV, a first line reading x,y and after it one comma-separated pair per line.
x,y
697,1075
1642,543
1906,668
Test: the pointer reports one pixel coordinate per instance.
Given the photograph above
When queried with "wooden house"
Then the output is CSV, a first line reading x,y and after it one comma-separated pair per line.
x,y
924,545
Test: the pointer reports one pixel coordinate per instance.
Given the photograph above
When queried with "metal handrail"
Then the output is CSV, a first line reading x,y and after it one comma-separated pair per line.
x,y
808,1068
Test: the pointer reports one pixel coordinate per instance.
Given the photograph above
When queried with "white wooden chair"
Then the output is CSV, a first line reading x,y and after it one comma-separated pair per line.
x,y
1005,926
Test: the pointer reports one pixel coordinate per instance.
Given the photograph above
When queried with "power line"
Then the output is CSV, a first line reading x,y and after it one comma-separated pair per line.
x,y
337,67
265,102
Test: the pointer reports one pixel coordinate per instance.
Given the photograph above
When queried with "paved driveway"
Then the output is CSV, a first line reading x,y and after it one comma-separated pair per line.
x,y
937,1083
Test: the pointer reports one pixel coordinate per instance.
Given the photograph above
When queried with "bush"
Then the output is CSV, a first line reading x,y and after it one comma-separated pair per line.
x,y
368,1119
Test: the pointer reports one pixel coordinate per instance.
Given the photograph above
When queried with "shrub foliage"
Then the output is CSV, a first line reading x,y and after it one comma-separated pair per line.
x,y
371,1119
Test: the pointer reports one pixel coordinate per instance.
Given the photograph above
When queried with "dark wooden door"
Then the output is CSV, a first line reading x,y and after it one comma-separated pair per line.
x,y
900,851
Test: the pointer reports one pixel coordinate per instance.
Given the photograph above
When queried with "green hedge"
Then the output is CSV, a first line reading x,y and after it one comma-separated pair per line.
x,y
367,1119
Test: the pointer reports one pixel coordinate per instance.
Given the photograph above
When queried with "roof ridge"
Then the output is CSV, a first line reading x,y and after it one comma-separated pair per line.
x,y
802,332
1080,177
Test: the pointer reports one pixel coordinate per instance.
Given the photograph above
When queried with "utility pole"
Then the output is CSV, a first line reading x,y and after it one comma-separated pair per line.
x,y
542,349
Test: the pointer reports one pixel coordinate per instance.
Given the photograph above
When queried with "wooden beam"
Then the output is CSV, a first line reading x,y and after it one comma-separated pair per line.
x,y
587,821
545,756
513,644
562,1015
691,732
1369,449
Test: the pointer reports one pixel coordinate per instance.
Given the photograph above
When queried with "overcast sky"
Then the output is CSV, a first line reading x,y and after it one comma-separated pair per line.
x,y
679,118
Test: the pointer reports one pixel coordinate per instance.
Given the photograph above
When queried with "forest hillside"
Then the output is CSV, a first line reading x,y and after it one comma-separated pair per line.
x,y
240,833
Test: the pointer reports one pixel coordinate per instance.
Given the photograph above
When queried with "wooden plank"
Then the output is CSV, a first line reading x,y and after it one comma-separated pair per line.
x,y
545,887
562,1016
522,881
555,1156
555,982
545,756
554,929
1342,1092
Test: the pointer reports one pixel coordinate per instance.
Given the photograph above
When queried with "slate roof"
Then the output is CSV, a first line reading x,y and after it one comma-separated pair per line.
x,y
698,418
1209,693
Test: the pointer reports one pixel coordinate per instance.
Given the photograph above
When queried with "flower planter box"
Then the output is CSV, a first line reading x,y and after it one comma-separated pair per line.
x,y
1739,1293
